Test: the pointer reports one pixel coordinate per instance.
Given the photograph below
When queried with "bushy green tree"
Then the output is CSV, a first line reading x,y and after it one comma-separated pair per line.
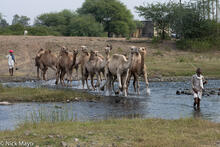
x,y
57,21
3,22
112,14
41,31
23,20
85,25
159,13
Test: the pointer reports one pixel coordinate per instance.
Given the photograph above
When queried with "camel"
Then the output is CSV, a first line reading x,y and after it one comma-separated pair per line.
x,y
65,65
119,66
138,68
82,60
37,59
45,59
92,68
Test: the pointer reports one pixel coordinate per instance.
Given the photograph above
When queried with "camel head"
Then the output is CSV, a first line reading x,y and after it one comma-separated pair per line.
x,y
40,52
143,50
134,50
93,53
75,51
85,50
108,48
63,51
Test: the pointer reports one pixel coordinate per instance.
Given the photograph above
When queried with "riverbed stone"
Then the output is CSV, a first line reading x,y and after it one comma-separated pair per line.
x,y
212,92
178,92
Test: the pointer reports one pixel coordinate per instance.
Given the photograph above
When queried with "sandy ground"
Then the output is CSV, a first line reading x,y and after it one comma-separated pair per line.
x,y
26,47
158,56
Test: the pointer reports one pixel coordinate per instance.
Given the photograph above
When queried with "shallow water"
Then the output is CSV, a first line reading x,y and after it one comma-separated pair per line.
x,y
161,103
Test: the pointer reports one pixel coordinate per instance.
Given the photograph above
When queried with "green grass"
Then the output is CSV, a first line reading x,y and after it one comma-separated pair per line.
x,y
171,64
21,94
119,132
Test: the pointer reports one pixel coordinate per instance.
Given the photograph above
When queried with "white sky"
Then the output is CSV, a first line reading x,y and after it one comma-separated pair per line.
x,y
33,8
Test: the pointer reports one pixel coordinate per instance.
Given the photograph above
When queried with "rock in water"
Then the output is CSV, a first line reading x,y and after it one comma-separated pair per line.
x,y
178,92
5,103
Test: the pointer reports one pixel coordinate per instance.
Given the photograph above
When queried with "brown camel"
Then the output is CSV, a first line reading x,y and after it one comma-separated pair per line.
x,y
65,65
138,68
45,59
119,66
83,59
37,59
91,68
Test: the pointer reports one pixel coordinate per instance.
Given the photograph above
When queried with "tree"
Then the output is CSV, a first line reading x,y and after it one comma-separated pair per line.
x,y
112,14
160,15
23,20
57,21
85,25
3,22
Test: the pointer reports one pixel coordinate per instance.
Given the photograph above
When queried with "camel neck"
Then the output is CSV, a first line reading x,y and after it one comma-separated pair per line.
x,y
142,60
129,62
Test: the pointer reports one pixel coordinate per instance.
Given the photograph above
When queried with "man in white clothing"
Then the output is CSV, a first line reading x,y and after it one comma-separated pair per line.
x,y
11,62
197,86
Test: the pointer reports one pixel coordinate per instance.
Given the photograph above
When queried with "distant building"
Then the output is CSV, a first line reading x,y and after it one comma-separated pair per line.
x,y
147,30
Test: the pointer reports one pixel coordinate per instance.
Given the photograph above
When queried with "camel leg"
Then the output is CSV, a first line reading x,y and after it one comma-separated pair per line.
x,y
38,76
98,76
146,79
106,74
83,77
57,75
77,72
92,81
108,84
124,82
86,78
44,73
134,84
138,86
62,76
119,80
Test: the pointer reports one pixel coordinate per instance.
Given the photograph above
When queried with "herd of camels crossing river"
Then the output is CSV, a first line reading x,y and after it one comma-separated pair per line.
x,y
114,68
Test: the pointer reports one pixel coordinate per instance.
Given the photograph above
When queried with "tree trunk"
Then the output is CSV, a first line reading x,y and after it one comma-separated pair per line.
x,y
208,9
217,7
213,10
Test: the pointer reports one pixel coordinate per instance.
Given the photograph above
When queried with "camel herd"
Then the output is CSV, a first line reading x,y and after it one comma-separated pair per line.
x,y
92,63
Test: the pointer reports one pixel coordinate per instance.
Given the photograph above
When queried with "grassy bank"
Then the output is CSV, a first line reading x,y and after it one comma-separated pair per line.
x,y
170,63
20,94
123,132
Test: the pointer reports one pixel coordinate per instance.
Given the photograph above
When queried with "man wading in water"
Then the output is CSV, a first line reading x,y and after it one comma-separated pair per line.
x,y
11,62
197,86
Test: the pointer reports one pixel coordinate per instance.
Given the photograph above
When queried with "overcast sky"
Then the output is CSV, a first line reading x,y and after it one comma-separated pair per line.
x,y
33,8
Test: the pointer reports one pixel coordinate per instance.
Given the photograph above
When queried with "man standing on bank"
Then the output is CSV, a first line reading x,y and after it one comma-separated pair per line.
x,y
197,86
11,62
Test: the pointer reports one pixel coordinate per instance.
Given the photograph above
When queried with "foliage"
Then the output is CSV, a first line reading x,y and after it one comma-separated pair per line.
x,y
42,31
23,20
159,13
199,45
3,22
112,14
85,25
57,21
